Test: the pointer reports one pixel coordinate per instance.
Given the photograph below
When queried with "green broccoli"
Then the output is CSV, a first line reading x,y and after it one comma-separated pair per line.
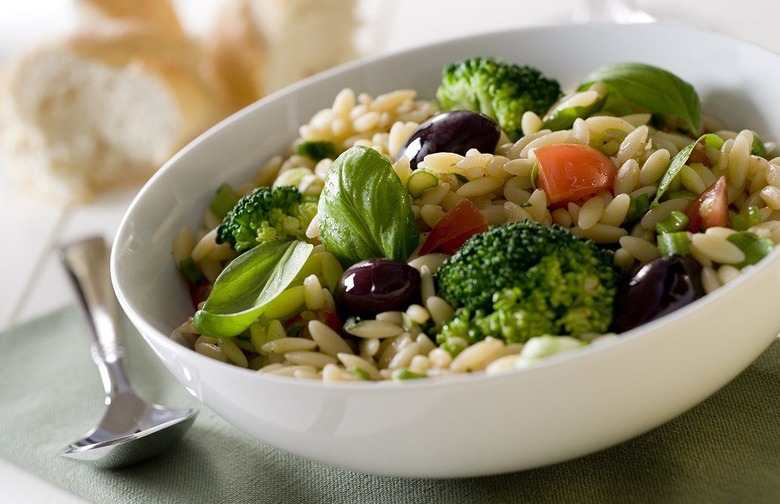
x,y
500,90
526,279
279,213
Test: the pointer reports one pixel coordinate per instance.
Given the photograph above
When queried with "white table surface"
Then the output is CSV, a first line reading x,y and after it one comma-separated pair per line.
x,y
33,283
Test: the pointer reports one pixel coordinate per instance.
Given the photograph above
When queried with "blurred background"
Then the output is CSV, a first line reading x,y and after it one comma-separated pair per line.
x,y
398,24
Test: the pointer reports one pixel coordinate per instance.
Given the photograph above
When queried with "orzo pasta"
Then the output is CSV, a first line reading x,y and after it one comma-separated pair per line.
x,y
659,195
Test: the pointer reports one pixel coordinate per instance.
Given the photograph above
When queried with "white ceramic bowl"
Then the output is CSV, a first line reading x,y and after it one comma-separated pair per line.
x,y
567,406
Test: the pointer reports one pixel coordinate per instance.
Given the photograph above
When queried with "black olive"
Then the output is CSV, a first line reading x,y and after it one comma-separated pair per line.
x,y
657,288
377,285
456,131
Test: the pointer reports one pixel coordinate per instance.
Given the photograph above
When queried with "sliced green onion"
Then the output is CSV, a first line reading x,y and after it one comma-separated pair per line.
x,y
677,221
405,374
637,208
744,221
754,246
677,243
361,373
190,270
224,201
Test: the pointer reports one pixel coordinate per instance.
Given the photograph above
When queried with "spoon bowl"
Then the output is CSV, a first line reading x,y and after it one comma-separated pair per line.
x,y
131,430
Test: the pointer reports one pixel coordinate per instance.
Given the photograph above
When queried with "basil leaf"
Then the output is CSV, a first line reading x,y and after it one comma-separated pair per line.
x,y
562,117
678,161
251,281
754,246
651,89
364,211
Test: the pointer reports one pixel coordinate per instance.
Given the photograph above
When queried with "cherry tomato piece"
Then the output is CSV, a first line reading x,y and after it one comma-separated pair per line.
x,y
298,326
457,225
199,292
570,172
710,209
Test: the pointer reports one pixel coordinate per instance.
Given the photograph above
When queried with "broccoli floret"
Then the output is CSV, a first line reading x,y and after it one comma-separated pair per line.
x,y
279,213
526,279
500,90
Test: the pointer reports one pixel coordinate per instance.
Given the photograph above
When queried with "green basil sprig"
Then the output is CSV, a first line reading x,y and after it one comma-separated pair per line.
x,y
679,160
364,211
246,286
634,87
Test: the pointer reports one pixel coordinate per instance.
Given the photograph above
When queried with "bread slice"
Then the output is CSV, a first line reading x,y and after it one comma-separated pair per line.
x,y
101,109
259,46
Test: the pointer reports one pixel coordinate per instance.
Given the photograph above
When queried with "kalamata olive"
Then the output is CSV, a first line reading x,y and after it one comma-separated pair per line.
x,y
377,285
657,288
456,131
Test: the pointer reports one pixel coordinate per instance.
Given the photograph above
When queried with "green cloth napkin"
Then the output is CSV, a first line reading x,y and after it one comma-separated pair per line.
x,y
725,450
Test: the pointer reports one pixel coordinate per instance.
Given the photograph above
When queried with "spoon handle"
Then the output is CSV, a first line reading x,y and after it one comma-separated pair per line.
x,y
87,265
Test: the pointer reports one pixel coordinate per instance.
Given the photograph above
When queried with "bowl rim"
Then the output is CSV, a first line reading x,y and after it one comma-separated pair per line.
x,y
632,337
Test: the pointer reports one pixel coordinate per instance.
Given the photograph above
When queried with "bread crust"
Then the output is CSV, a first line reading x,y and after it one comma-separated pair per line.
x,y
159,15
140,46
258,46
73,164
235,54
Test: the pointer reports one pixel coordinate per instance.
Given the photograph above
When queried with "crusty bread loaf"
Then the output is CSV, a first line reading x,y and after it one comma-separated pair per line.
x,y
101,108
109,104
159,15
259,46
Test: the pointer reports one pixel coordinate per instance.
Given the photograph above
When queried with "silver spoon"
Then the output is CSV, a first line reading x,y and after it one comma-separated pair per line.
x,y
131,430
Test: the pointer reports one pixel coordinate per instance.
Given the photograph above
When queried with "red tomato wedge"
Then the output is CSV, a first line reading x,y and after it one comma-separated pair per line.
x,y
199,292
710,209
569,172
457,225
298,325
